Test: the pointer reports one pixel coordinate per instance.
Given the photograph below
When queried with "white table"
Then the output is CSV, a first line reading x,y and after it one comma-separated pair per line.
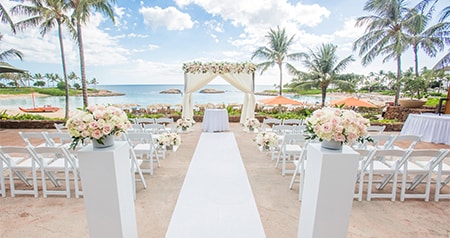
x,y
215,120
432,128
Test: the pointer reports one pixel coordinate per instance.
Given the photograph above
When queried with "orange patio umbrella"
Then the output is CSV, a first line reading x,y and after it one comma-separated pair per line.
x,y
352,102
279,100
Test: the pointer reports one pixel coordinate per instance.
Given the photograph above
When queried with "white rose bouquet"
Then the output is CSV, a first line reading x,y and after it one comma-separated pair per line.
x,y
185,123
345,126
169,139
96,123
266,140
251,123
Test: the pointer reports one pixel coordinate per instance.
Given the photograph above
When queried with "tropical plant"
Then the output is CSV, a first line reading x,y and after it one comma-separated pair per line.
x,y
45,14
445,60
431,40
276,53
9,53
5,18
385,33
81,13
323,69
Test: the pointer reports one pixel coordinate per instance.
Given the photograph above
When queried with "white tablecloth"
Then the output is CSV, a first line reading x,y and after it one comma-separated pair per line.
x,y
432,128
215,120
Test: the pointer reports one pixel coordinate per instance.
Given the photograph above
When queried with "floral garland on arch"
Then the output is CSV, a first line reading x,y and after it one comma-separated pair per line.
x,y
219,67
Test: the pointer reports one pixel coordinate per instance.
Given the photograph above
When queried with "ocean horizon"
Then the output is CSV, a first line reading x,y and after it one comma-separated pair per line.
x,y
148,94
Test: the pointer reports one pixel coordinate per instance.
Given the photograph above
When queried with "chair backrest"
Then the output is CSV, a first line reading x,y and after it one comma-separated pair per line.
x,y
300,129
376,130
33,139
434,157
399,156
60,127
283,129
57,138
42,153
382,141
408,141
144,120
138,138
136,127
164,120
154,128
270,122
12,154
294,122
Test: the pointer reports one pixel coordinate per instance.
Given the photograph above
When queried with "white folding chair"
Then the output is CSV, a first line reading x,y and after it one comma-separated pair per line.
x,y
61,127
291,150
58,139
168,123
283,129
3,168
362,170
33,139
421,164
144,121
442,172
62,162
408,142
376,130
300,167
20,163
293,122
143,146
268,123
136,128
387,172
154,128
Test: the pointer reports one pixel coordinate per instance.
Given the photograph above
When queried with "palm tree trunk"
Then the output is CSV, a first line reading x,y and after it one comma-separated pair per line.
x,y
397,84
281,78
82,65
416,60
324,95
63,60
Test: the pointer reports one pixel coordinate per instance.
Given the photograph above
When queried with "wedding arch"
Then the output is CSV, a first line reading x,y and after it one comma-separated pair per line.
x,y
239,75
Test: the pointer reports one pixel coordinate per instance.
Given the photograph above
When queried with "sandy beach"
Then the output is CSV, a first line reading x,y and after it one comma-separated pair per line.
x,y
278,206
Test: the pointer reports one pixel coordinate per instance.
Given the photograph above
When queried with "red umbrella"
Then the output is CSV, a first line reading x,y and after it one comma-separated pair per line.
x,y
352,102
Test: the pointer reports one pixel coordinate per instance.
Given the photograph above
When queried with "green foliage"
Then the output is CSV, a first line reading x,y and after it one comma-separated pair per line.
x,y
5,116
61,85
432,102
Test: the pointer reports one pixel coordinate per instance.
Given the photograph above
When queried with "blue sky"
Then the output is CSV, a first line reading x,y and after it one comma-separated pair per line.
x,y
150,40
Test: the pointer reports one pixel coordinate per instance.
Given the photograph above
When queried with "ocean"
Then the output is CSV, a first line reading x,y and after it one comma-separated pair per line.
x,y
148,94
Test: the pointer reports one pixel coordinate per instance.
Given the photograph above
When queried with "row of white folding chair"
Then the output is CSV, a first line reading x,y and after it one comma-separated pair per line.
x,y
158,125
269,123
386,141
421,163
20,162
292,148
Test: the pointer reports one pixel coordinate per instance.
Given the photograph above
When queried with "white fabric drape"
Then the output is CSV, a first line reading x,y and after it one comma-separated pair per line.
x,y
243,82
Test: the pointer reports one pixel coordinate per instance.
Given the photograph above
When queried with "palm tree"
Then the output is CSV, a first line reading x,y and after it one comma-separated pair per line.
x,y
81,13
5,18
276,52
446,58
324,68
385,33
429,39
9,53
45,14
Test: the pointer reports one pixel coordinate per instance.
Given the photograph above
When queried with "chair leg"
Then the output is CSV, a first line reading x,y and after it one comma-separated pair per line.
x,y
297,165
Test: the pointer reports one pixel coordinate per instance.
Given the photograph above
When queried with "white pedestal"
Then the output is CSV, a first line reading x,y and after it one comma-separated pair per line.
x,y
108,191
328,192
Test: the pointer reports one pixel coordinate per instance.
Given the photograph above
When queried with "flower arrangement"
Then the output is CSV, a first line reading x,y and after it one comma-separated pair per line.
x,y
251,123
185,123
96,123
169,139
219,67
341,125
266,140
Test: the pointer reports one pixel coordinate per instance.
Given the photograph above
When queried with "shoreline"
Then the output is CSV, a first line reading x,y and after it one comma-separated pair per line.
x,y
374,98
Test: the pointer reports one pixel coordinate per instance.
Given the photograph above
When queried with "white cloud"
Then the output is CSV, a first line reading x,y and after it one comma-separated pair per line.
x,y
350,30
170,17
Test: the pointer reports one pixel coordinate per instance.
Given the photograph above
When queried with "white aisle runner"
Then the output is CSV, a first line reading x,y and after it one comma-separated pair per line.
x,y
216,199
